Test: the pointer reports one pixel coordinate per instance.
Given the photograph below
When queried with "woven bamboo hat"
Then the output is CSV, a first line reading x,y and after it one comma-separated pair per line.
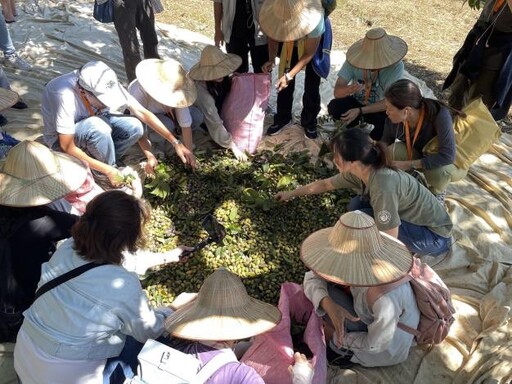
x,y
222,311
33,175
214,64
7,98
290,20
377,50
167,82
355,253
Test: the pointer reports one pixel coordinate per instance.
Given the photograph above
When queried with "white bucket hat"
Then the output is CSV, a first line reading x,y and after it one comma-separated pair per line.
x,y
101,80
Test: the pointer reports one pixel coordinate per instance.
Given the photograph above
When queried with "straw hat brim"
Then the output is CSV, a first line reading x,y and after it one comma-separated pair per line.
x,y
391,262
7,98
391,52
292,28
196,322
17,192
227,66
160,80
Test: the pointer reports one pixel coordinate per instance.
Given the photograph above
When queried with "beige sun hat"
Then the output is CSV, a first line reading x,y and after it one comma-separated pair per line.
x,y
376,50
214,64
222,311
167,82
289,20
355,253
7,98
33,175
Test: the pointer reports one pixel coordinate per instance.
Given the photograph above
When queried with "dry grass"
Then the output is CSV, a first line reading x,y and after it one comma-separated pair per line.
x,y
433,29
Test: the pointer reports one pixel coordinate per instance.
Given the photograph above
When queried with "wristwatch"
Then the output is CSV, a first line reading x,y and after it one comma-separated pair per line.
x,y
288,77
175,142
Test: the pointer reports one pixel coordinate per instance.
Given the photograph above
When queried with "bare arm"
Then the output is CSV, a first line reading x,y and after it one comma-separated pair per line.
x,y
392,232
152,162
152,121
343,89
187,138
272,53
310,47
314,188
67,143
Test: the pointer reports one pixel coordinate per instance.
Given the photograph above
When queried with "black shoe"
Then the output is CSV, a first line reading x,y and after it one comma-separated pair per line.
x,y
311,133
3,120
20,105
274,129
342,361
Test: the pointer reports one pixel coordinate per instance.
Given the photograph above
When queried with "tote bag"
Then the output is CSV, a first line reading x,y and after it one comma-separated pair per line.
x,y
243,111
271,353
475,133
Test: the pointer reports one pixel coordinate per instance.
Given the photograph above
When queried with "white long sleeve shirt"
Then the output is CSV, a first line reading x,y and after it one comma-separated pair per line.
x,y
384,344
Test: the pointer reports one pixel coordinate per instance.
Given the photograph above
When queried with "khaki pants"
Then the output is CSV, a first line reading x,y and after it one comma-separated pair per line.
x,y
437,178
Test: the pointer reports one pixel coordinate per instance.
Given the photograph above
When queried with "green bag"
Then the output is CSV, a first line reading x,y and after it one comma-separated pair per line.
x,y
475,133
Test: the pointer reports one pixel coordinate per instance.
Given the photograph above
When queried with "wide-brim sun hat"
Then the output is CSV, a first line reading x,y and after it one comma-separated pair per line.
x,y
376,50
355,253
34,175
214,64
167,82
7,98
99,79
290,20
222,311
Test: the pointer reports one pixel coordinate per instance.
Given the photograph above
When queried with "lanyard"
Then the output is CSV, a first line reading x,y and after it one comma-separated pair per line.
x,y
497,5
416,133
87,104
368,82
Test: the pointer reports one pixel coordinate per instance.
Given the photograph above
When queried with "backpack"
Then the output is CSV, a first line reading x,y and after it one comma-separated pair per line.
x,y
433,299
321,61
159,363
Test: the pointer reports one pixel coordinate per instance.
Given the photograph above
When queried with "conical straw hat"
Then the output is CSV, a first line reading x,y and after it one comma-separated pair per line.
x,y
167,82
33,175
355,253
214,64
377,50
222,311
7,98
290,20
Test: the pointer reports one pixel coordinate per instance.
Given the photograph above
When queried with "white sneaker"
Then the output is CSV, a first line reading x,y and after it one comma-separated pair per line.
x,y
14,61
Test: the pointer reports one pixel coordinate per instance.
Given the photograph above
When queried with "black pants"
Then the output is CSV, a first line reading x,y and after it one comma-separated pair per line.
x,y
130,15
310,99
242,47
338,107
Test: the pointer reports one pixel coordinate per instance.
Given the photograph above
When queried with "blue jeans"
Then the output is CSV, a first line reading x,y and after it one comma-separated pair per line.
x,y
5,39
107,137
417,238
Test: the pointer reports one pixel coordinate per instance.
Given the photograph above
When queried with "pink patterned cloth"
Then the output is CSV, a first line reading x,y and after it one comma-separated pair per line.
x,y
271,353
243,111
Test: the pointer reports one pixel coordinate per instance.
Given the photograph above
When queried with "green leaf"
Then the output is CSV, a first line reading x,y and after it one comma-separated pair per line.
x,y
284,182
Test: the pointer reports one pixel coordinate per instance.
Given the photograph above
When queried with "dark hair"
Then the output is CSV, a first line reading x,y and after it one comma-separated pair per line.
x,y
113,222
219,90
404,93
354,144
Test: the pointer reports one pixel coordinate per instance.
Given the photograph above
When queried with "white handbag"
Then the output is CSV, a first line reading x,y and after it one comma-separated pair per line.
x,y
159,363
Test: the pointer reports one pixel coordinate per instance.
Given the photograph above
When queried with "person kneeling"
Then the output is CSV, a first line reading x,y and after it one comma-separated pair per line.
x,y
356,255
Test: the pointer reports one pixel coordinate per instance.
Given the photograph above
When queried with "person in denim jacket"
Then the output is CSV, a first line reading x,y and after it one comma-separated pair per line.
x,y
70,331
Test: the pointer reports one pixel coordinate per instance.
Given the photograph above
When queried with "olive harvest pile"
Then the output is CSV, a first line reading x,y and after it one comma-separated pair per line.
x,y
263,236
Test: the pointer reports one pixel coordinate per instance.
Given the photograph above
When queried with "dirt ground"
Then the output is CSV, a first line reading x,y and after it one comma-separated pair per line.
x,y
433,29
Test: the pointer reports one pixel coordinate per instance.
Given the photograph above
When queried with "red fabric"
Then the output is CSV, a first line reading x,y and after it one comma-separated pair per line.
x,y
272,352
243,111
